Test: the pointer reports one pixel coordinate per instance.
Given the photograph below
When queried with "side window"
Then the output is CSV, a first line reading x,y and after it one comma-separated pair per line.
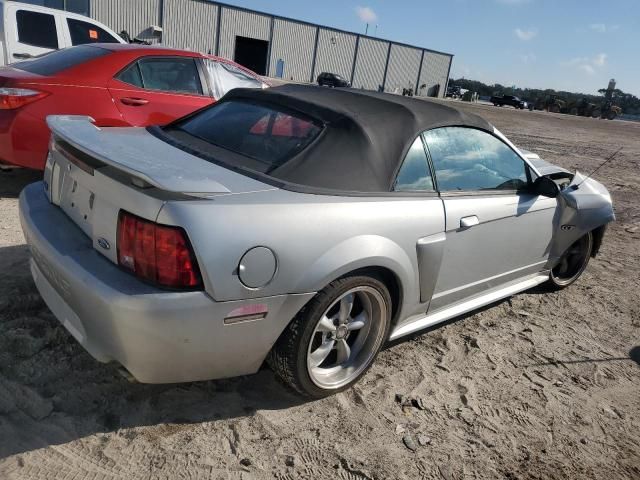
x,y
170,75
225,76
131,75
466,159
414,174
85,32
37,29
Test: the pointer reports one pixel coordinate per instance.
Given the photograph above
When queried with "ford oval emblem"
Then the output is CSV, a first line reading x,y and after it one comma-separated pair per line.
x,y
103,243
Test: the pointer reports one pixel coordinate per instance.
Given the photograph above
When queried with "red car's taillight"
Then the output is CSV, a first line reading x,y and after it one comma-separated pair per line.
x,y
157,253
12,98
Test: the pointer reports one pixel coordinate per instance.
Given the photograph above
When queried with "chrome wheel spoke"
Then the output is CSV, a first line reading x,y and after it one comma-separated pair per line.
x,y
343,350
358,322
326,325
321,353
346,304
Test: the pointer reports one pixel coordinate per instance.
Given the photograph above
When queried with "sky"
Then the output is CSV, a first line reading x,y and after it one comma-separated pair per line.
x,y
573,45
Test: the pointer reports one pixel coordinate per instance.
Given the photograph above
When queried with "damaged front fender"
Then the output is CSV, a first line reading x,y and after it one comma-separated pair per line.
x,y
583,206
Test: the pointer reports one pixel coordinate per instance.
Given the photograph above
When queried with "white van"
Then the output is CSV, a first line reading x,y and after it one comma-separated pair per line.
x,y
28,30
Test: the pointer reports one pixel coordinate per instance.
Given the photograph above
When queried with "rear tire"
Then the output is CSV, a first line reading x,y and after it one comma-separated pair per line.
x,y
572,264
335,338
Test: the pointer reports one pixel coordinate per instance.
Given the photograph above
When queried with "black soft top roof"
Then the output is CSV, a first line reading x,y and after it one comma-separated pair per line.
x,y
365,138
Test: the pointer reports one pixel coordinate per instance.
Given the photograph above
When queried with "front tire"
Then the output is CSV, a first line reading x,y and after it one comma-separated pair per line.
x,y
335,338
572,264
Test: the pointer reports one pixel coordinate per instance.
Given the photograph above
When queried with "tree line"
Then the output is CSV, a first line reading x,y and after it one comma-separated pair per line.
x,y
630,104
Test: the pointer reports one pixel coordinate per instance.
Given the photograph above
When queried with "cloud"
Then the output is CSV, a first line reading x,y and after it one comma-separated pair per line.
x,y
588,65
528,58
513,2
588,69
526,35
603,28
600,59
366,14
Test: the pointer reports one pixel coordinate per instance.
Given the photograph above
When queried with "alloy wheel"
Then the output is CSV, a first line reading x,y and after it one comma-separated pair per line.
x,y
573,261
346,337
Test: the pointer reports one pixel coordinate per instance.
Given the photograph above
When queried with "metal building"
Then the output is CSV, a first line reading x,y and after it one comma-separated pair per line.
x,y
277,46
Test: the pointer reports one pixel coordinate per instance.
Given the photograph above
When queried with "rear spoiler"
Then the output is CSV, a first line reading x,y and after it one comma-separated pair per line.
x,y
173,171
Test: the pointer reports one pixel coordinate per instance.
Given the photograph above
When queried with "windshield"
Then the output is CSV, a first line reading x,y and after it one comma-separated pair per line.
x,y
260,132
59,60
225,77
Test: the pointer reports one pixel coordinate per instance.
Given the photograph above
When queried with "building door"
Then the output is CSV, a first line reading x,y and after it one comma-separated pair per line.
x,y
252,53
280,68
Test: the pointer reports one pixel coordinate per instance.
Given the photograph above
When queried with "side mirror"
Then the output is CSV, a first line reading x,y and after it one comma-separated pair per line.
x,y
546,187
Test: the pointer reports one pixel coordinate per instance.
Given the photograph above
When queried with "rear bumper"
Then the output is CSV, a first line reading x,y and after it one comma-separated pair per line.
x,y
159,336
24,139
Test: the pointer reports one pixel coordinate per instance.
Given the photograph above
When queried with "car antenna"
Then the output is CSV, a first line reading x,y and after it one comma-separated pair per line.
x,y
611,157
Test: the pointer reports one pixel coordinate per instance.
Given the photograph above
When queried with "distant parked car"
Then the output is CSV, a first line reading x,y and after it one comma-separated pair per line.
x,y
115,84
453,91
515,102
27,31
326,79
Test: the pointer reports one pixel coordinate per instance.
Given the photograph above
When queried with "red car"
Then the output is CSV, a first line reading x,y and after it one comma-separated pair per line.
x,y
116,84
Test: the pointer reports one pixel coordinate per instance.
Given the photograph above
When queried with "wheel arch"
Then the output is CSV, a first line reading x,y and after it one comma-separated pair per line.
x,y
371,255
390,280
598,236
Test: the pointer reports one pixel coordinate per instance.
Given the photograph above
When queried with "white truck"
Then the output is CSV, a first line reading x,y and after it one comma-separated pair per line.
x,y
27,31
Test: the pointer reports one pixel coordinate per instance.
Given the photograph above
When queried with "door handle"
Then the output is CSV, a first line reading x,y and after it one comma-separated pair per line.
x,y
22,56
468,222
134,102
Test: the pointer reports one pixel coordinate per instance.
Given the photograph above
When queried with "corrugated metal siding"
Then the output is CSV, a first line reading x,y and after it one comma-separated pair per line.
x,y
372,57
292,42
335,56
404,63
190,24
434,72
244,24
134,16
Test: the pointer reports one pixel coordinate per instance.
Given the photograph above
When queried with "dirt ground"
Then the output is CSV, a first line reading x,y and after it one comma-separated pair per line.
x,y
537,386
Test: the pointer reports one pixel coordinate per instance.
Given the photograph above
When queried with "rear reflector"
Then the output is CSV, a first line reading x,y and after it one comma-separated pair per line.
x,y
159,254
12,98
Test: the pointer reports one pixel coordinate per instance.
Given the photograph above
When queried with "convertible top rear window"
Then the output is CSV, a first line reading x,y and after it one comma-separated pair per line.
x,y
59,60
266,134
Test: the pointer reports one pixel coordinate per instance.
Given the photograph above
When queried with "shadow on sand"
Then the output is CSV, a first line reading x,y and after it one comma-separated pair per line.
x,y
12,181
53,392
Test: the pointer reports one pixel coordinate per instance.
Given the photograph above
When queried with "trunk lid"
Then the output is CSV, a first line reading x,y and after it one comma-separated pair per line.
x,y
93,173
10,76
143,156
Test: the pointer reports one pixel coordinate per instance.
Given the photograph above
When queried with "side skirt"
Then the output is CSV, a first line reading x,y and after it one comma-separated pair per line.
x,y
442,315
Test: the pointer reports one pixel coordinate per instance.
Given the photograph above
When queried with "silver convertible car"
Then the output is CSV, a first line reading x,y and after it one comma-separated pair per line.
x,y
298,225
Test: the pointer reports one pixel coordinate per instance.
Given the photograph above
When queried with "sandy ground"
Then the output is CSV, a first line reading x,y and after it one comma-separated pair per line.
x,y
537,386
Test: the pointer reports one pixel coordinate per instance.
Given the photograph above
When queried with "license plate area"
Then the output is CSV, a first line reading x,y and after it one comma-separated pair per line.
x,y
77,202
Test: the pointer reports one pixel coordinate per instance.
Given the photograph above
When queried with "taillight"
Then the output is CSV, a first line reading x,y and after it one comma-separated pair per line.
x,y
156,253
12,98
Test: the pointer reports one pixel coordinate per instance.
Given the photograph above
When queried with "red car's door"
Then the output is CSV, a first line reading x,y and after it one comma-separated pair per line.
x,y
156,90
